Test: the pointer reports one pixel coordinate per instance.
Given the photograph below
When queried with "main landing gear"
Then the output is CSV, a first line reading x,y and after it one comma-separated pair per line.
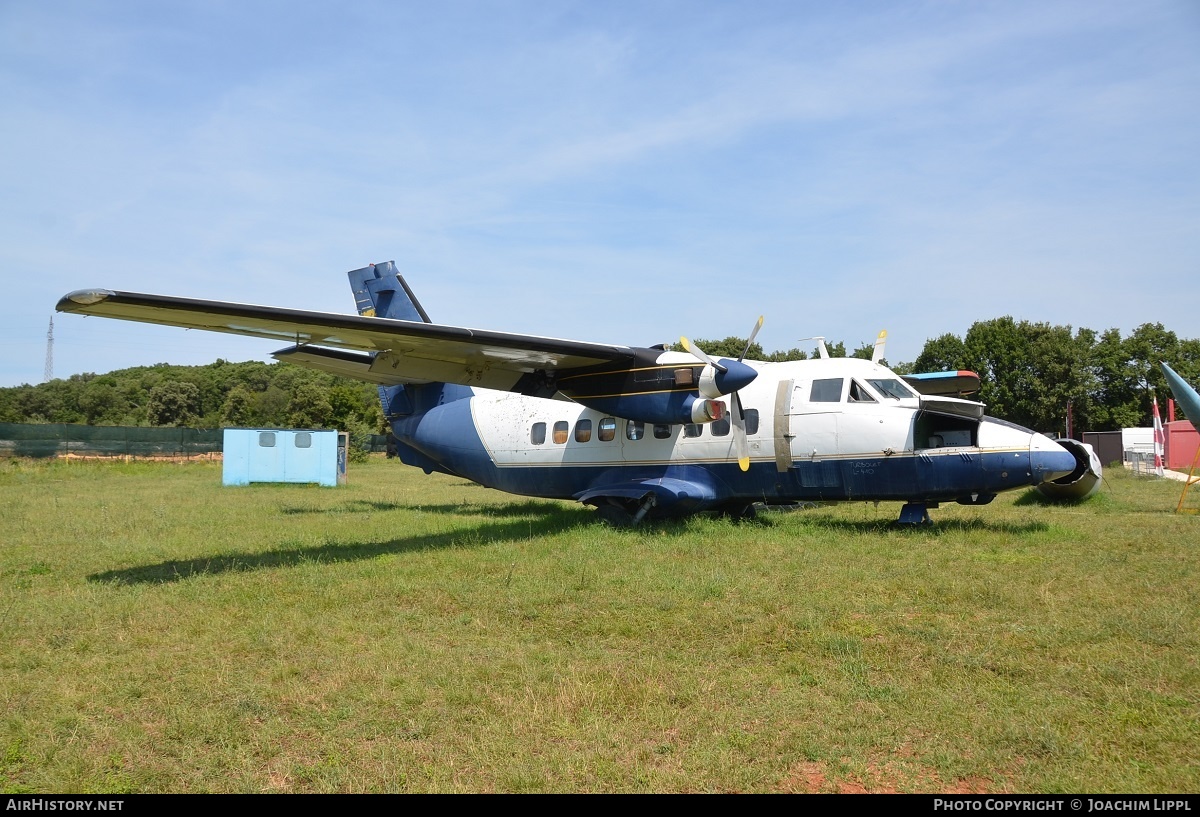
x,y
625,513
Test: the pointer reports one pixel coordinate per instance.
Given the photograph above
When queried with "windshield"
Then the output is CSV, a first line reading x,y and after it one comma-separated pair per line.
x,y
891,387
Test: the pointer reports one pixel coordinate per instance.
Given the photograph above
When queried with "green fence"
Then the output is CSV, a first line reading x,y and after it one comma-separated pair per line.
x,y
63,439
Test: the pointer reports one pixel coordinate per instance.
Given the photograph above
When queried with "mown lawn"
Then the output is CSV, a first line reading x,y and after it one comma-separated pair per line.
x,y
413,633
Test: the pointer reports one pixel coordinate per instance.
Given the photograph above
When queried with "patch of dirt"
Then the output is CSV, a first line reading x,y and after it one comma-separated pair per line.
x,y
814,777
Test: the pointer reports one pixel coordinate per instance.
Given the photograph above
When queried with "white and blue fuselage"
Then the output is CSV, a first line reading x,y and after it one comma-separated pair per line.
x,y
862,443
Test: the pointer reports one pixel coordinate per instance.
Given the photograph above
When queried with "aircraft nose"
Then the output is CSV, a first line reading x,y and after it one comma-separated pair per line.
x,y
1048,459
737,375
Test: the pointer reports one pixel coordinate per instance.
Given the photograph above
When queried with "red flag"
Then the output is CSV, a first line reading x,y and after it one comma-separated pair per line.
x,y
1159,440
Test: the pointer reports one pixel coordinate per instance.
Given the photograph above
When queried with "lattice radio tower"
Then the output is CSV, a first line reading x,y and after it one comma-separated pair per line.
x,y
49,352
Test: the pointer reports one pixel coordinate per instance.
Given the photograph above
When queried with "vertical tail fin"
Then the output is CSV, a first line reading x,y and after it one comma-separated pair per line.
x,y
380,291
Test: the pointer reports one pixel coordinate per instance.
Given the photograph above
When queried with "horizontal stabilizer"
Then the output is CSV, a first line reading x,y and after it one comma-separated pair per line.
x,y
343,364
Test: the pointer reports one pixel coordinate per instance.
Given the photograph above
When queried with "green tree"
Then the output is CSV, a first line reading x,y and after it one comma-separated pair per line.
x,y
866,351
1029,372
359,448
730,347
238,409
1129,373
101,403
271,407
837,349
782,356
173,404
945,353
309,408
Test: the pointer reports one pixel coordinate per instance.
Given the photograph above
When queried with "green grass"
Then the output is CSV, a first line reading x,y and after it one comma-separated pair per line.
x,y
413,633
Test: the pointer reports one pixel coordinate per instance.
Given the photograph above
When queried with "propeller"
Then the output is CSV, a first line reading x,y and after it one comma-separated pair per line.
x,y
880,343
727,376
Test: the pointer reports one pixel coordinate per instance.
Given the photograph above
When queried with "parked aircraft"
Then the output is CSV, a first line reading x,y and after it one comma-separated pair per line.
x,y
635,431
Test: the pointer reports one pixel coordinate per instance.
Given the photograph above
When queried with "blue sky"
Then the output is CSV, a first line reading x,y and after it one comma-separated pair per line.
x,y
622,172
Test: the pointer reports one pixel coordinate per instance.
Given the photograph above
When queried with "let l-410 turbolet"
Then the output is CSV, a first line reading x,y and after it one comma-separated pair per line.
x,y
636,432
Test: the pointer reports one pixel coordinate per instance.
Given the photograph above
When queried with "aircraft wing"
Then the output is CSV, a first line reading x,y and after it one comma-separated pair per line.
x,y
397,351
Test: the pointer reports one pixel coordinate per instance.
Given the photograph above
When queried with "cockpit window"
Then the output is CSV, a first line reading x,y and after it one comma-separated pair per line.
x,y
828,390
890,387
858,394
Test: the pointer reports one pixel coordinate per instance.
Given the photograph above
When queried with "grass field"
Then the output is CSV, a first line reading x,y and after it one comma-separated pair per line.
x,y
413,633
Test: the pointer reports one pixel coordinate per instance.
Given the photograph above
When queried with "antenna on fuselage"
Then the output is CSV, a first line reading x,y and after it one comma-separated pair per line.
x,y
821,350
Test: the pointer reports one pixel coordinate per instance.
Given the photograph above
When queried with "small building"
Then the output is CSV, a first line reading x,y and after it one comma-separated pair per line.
x,y
284,455
1182,442
1110,446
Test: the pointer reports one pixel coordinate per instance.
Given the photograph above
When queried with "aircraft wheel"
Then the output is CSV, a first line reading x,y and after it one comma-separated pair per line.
x,y
614,516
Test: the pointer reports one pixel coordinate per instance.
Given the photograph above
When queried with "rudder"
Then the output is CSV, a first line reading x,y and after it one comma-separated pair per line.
x,y
381,292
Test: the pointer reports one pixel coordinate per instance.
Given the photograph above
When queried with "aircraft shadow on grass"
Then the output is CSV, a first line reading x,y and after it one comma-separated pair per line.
x,y
530,519
865,527
531,508
535,519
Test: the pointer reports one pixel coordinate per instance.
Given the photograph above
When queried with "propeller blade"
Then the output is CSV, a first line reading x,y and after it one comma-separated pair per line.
x,y
740,375
880,342
699,354
753,332
739,433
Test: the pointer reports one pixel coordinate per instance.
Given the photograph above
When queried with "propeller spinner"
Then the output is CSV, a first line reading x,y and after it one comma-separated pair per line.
x,y
725,376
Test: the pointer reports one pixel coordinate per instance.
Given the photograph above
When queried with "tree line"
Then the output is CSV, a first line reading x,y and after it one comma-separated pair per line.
x,y
219,395
1030,373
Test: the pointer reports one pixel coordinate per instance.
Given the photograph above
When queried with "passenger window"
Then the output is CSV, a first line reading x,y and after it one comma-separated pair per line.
x,y
634,429
583,431
828,390
684,377
538,435
692,430
858,394
560,432
662,430
751,421
266,439
303,439
607,430
720,428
